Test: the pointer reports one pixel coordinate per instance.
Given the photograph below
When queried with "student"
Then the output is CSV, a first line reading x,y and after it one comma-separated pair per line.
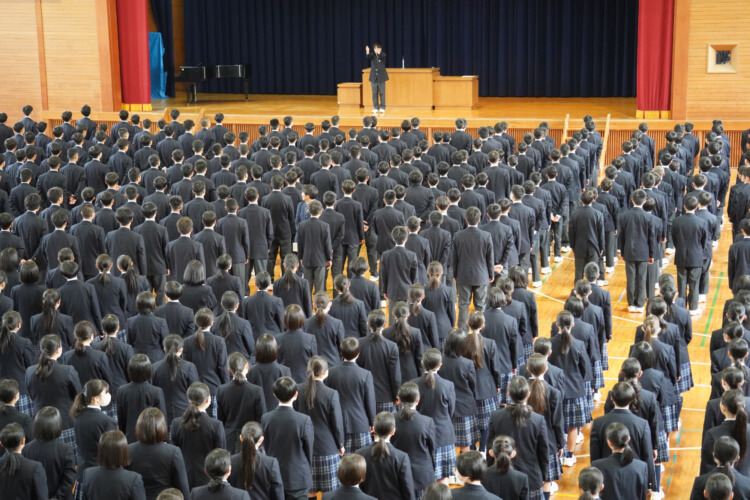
x,y
470,468
53,384
236,332
351,311
289,438
195,293
196,434
252,471
9,414
27,296
180,319
462,372
89,363
292,289
78,299
502,478
594,316
415,436
327,330
173,375
735,425
118,353
421,318
388,469
314,247
569,354
472,264
134,284
351,473
623,474
183,250
137,395
266,369
437,491
57,458
296,346
409,342
503,330
528,429
517,310
111,291
16,356
238,401
160,464
264,311
19,476
90,423
591,483
209,354
520,294
110,478
440,299
218,468
380,356
634,228
726,452
362,288
146,332
223,281
584,332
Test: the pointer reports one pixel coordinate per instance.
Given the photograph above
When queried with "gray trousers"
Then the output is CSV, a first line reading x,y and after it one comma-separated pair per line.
x,y
610,247
371,239
689,278
705,276
544,242
378,90
239,269
349,253
465,294
157,282
580,265
280,247
635,274
316,276
259,265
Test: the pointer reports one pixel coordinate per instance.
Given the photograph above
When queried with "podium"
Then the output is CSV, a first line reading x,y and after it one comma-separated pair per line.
x,y
419,89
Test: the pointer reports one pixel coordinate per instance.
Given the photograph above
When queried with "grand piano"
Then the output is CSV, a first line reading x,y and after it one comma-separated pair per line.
x,y
193,75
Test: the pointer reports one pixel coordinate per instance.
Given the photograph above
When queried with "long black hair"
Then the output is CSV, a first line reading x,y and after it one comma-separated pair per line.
x,y
341,285
126,266
84,332
734,401
502,449
473,346
197,394
726,452
289,277
217,464
11,321
91,389
225,323
48,346
520,412
565,325
11,438
385,424
316,367
537,366
408,394
236,364
50,301
619,436
320,303
103,265
252,432
629,373
590,480
431,359
401,328
172,346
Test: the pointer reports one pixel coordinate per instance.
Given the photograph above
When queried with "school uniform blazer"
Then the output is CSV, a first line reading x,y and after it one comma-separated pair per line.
x,y
79,301
31,228
59,463
439,404
237,404
513,485
118,363
132,399
356,391
10,240
213,247
532,447
383,221
179,253
741,487
155,240
462,373
739,260
175,390
241,340
29,482
388,477
27,301
264,375
236,237
112,297
690,234
92,364
299,294
634,229
160,465
223,282
426,323
710,437
296,347
15,361
326,418
473,257
473,492
198,297
314,243
400,269
575,364
210,362
227,493
259,224
629,481
640,437
180,319
267,483
416,438
124,241
440,302
146,333
196,444
347,493
89,427
380,356
503,330
116,484
289,437
528,299
353,316
265,313
410,361
328,337
587,232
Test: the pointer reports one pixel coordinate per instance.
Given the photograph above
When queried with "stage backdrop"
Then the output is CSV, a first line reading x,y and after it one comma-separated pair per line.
x,y
535,48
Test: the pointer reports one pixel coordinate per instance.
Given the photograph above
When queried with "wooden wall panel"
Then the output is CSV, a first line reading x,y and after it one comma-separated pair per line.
x,y
718,95
19,78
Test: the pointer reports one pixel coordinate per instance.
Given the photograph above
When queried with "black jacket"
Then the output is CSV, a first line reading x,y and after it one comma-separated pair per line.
x,y
347,493
125,241
380,356
707,449
161,466
236,237
146,333
356,396
630,481
267,483
29,481
416,438
132,399
399,268
328,337
59,462
473,492
289,437
174,389
513,485
328,424
196,444
264,312
155,240
213,247
89,427
378,73
298,293
366,291
211,361
388,477
179,253
473,257
296,347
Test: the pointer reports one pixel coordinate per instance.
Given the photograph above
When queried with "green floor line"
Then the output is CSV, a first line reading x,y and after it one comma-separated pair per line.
x,y
711,313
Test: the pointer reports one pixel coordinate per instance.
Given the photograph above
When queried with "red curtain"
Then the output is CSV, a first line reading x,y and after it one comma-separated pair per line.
x,y
132,29
654,81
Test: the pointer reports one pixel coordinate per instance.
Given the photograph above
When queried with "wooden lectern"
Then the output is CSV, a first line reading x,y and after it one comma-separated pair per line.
x,y
406,88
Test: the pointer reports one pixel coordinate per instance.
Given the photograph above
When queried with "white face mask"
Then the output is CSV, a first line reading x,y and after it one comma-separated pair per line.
x,y
105,399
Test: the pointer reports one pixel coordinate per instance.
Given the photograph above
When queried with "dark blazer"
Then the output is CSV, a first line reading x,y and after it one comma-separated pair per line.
x,y
10,240
416,438
100,482
378,73
179,253
741,487
258,224
690,235
710,437
383,221
388,477
267,483
160,465
265,313
282,214
227,493
473,258
17,358
196,444
174,389
91,244
314,244
505,241
289,438
31,228
298,293
236,237
354,217
629,481
132,399
513,485
59,462
356,395
634,229
353,316
586,232
155,240
170,223
264,375
194,209
739,260
124,241
462,373
29,481
380,356
46,253
472,492
296,347
347,493
532,456
146,333
213,247
180,319
237,404
241,339
89,427
328,337
399,268
326,417
112,297
58,390
211,362
366,291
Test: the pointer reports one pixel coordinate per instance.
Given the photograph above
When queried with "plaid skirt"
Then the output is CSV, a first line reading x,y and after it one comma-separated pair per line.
x,y
576,412
555,467
589,395
485,407
670,417
605,357
686,378
356,440
528,350
389,407
466,430
445,461
598,375
25,405
324,471
662,453
502,397
536,494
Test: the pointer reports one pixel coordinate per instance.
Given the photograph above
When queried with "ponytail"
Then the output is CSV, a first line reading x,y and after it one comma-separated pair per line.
x,y
473,345
375,322
11,438
316,367
668,292
84,332
197,394
11,320
537,367
237,364
582,291
92,389
434,273
502,449
320,303
507,287
738,351
590,480
172,346
288,277
225,323
408,395
416,294
48,346
726,452
204,318
385,424
402,330
341,285
103,265
518,389
651,328
50,299
629,373
125,263
252,432
431,359
734,401
619,436
564,325
110,326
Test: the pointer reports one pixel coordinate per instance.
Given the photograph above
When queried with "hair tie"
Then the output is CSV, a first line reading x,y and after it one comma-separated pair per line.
x,y
85,391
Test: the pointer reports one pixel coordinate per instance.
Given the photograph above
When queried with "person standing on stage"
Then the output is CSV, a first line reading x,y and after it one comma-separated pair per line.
x,y
378,77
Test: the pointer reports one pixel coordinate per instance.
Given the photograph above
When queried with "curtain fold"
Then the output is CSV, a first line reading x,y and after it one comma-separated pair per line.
x,y
162,10
655,26
536,48
132,33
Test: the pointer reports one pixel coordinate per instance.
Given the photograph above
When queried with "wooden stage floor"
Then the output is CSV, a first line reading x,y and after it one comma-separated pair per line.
x,y
322,106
